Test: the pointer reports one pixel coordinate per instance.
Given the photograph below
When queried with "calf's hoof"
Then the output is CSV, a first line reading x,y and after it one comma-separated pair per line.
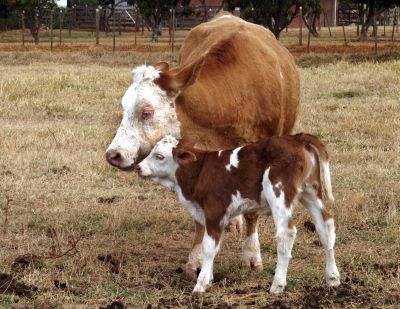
x,y
332,280
199,289
277,288
235,225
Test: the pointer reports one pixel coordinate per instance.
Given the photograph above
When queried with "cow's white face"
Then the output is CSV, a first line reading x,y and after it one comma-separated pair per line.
x,y
160,165
148,115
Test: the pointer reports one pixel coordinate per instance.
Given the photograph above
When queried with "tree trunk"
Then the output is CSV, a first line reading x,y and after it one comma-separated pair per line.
x,y
311,24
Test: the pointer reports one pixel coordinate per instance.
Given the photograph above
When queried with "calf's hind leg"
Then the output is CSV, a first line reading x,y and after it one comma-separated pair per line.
x,y
325,227
285,233
251,247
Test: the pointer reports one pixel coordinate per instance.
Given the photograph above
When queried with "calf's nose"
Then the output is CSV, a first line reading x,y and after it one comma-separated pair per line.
x,y
114,157
137,169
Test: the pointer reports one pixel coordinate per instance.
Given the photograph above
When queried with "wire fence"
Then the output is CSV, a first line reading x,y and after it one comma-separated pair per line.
x,y
117,26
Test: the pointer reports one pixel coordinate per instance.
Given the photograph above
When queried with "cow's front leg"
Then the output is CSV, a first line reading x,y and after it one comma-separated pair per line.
x,y
193,265
210,247
251,247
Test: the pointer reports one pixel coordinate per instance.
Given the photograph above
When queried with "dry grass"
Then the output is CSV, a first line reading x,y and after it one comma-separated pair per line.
x,y
56,189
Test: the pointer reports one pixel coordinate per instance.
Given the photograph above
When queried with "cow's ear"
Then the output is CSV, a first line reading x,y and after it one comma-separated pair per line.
x,y
177,80
184,157
162,66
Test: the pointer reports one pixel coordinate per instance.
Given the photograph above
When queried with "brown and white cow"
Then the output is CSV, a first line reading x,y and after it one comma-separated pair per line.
x,y
235,84
272,174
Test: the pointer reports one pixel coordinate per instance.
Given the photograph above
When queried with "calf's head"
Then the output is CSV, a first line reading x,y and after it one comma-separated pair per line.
x,y
148,112
163,161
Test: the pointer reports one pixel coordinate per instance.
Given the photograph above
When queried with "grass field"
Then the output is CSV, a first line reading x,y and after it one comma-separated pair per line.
x,y
77,232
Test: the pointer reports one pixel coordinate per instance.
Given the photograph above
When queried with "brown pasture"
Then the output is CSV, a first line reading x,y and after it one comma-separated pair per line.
x,y
76,232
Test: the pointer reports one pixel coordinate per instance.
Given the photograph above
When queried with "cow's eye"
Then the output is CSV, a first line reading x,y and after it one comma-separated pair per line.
x,y
159,157
147,112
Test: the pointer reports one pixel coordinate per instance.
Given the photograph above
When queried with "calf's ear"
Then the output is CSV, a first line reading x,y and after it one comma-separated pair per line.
x,y
184,157
162,66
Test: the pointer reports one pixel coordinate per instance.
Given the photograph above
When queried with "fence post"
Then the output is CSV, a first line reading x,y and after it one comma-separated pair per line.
x,y
97,25
301,26
86,14
376,34
119,23
344,34
113,21
394,24
61,23
309,37
173,35
385,15
69,22
23,27
37,26
75,18
170,27
51,29
136,24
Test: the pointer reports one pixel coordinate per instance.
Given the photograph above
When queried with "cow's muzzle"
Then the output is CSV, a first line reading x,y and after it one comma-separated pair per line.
x,y
115,158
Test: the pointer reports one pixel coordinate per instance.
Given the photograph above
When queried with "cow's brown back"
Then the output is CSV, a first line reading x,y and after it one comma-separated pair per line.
x,y
247,89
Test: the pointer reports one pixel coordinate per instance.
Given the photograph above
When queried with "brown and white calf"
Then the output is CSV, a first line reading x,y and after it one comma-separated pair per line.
x,y
273,175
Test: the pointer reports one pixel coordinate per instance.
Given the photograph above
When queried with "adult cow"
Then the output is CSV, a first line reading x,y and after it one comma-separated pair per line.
x,y
235,84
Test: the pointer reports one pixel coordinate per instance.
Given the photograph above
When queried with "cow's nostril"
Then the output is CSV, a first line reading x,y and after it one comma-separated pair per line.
x,y
113,157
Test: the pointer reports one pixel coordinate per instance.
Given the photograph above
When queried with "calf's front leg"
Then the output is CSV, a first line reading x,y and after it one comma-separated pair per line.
x,y
210,247
193,265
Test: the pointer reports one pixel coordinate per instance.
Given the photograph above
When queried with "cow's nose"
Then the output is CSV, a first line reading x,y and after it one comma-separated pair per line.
x,y
114,157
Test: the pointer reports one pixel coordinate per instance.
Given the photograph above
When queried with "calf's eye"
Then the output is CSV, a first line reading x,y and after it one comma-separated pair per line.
x,y
159,157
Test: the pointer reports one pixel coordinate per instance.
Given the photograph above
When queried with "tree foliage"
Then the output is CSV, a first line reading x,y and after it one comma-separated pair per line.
x,y
35,10
369,9
311,12
277,15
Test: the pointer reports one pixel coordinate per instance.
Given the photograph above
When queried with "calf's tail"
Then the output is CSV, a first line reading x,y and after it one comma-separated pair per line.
x,y
312,143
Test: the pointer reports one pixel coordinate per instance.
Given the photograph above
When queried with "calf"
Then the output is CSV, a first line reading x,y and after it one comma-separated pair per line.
x,y
273,175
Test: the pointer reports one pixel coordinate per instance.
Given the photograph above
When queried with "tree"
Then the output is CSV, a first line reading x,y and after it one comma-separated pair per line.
x,y
35,10
311,12
154,11
274,14
368,10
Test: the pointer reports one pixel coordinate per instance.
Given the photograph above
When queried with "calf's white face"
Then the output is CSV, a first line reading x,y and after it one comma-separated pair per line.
x,y
160,164
148,115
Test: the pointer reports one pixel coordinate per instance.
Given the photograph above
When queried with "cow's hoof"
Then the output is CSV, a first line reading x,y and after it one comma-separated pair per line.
x,y
254,263
277,288
235,225
333,280
192,271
